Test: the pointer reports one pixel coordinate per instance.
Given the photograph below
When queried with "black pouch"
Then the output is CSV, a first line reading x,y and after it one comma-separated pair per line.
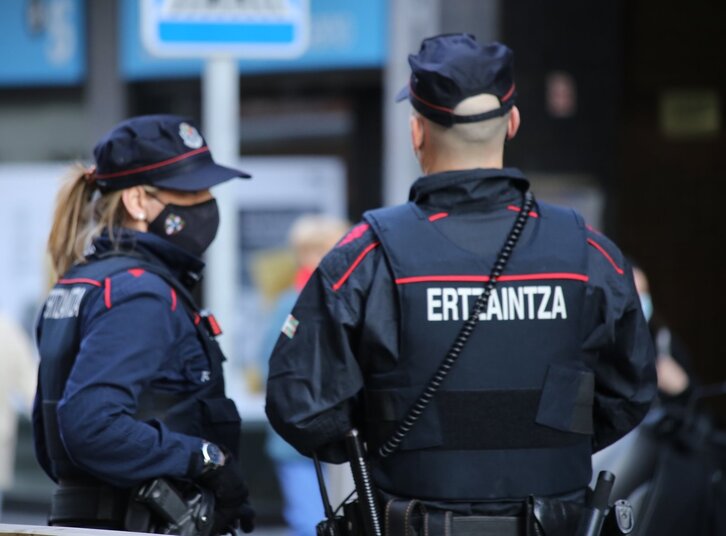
x,y
552,517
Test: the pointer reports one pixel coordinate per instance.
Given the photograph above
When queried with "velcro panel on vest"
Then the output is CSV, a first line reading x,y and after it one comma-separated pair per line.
x,y
486,419
474,420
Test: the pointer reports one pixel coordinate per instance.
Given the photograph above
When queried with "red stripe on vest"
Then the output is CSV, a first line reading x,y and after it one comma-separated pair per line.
x,y
515,208
173,299
438,216
485,278
78,280
214,326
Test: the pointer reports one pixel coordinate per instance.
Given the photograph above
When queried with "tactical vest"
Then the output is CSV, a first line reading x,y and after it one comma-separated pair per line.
x,y
514,416
207,414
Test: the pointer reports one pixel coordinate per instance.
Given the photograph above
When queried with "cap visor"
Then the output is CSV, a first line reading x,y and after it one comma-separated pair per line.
x,y
403,94
200,178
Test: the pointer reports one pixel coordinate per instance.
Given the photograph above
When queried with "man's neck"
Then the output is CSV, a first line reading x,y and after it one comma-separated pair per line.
x,y
441,163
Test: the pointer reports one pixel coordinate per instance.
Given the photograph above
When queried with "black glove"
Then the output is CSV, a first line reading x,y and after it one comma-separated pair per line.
x,y
231,494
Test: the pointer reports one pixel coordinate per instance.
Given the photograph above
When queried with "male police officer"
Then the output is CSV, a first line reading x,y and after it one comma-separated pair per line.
x,y
559,365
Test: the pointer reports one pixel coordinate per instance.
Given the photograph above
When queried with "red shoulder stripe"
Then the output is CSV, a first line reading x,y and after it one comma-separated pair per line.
x,y
355,264
605,254
107,293
173,299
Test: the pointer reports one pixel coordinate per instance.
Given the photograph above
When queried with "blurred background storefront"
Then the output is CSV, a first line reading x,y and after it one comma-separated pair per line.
x,y
623,117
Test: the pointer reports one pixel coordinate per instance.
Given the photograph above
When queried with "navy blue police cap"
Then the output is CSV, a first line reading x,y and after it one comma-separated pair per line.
x,y
165,151
450,68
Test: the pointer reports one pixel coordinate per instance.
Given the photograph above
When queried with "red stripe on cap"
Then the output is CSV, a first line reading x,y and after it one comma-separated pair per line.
x,y
605,254
508,94
485,278
427,103
137,272
78,280
150,167
438,216
355,264
515,208
107,293
173,299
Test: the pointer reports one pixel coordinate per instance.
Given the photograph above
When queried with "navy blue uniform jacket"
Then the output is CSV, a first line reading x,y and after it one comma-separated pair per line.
x,y
134,334
345,325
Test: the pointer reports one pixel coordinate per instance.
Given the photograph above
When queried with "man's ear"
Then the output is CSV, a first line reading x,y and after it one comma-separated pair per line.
x,y
418,132
514,122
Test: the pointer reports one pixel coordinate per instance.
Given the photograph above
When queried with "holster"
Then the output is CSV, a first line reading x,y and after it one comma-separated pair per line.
x,y
552,517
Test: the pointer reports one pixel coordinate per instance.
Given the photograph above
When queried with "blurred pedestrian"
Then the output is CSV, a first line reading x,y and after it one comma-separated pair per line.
x,y
311,237
131,386
18,370
483,343
672,360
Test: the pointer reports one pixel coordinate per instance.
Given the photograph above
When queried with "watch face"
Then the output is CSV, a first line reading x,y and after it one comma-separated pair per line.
x,y
212,455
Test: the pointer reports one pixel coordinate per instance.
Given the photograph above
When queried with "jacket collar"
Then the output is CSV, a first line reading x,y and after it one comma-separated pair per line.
x,y
154,249
469,189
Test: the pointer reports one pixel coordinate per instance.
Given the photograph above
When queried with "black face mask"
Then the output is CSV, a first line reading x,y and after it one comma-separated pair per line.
x,y
191,227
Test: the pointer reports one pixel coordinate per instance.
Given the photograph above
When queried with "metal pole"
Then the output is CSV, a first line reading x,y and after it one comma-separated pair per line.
x,y
221,110
410,22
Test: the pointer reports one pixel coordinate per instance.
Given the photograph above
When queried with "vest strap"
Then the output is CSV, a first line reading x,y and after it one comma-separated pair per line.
x,y
464,429
88,505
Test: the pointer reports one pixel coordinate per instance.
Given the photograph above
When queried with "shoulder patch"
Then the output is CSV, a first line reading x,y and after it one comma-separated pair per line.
x,y
354,234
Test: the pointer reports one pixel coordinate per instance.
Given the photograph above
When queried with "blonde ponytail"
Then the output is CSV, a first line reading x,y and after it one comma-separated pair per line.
x,y
81,214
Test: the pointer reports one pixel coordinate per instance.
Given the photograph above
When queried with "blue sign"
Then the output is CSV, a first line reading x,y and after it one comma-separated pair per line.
x,y
42,42
194,28
344,34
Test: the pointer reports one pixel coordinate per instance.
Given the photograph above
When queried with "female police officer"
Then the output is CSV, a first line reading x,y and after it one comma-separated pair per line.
x,y
130,386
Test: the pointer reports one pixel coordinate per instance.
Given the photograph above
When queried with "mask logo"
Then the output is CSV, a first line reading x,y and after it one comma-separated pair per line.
x,y
173,224
190,136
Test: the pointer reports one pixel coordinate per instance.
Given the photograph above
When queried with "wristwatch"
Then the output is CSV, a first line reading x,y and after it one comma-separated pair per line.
x,y
212,457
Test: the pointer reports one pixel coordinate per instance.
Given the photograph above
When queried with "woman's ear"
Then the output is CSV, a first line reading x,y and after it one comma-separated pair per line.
x,y
134,201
